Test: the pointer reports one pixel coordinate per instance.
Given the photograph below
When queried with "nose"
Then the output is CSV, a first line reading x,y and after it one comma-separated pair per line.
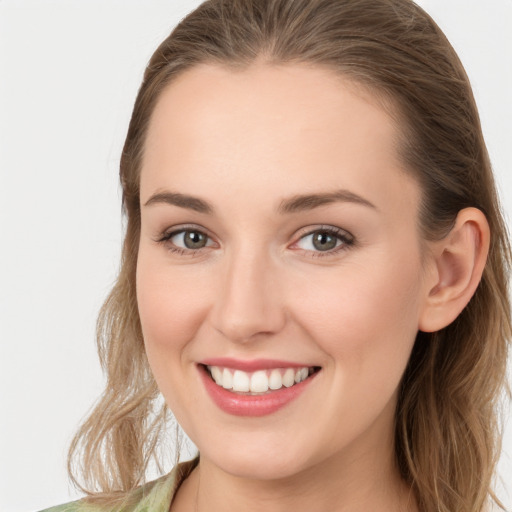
x,y
249,304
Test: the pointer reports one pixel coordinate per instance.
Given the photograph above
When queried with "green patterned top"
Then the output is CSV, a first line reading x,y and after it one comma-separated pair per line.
x,y
155,496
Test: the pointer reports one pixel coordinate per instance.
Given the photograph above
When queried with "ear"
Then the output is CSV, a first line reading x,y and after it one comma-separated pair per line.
x,y
457,267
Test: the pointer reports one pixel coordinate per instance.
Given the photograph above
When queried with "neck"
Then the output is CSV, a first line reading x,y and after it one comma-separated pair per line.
x,y
355,482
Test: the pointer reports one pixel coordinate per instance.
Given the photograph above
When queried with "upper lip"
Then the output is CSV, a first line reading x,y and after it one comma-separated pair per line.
x,y
253,364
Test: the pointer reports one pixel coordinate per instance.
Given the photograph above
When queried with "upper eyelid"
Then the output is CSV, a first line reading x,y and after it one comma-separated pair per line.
x,y
174,230
302,231
309,230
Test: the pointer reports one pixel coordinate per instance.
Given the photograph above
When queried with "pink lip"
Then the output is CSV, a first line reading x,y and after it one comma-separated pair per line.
x,y
251,366
252,405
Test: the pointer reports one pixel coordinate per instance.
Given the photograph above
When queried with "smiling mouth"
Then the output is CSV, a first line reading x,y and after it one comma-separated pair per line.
x,y
259,382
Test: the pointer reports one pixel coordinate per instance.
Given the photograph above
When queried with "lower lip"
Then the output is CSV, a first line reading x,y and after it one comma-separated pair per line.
x,y
251,405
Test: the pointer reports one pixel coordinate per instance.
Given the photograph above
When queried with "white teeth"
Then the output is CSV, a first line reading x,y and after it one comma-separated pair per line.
x,y
260,381
289,378
240,381
275,381
227,379
216,374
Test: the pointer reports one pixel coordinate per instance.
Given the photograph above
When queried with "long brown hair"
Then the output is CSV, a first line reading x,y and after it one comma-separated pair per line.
x,y
447,438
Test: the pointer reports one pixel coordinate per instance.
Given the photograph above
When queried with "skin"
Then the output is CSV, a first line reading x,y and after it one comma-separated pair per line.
x,y
245,142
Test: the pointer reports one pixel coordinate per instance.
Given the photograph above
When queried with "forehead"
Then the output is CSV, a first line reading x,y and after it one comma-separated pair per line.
x,y
295,126
302,98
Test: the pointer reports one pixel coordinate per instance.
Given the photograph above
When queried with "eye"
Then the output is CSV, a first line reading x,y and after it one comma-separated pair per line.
x,y
325,240
185,240
189,239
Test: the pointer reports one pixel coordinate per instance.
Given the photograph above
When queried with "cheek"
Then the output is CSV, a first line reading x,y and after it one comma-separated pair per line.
x,y
171,304
366,315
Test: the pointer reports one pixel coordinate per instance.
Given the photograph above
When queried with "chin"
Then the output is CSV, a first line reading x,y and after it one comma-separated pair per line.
x,y
261,469
269,461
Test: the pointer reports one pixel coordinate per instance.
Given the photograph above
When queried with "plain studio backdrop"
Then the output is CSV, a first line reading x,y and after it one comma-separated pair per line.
x,y
69,72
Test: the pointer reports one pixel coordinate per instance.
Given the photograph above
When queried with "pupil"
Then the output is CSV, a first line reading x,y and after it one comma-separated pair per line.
x,y
324,241
194,240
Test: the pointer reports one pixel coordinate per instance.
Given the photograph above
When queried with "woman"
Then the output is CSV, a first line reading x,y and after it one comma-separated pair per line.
x,y
314,270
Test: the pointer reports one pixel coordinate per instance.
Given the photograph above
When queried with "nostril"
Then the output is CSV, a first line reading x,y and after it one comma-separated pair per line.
x,y
248,330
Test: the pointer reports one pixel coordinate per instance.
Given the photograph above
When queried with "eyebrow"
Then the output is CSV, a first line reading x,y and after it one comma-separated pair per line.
x,y
181,200
310,201
294,204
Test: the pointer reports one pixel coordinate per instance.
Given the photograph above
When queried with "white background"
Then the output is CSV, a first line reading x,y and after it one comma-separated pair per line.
x,y
69,72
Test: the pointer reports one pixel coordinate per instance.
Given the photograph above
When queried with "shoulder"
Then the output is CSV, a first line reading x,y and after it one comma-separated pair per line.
x,y
155,496
151,496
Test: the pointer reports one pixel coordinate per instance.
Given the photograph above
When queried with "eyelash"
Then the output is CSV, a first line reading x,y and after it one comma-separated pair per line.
x,y
346,239
168,235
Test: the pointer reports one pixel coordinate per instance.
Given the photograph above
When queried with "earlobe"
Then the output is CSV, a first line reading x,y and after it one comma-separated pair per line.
x,y
459,261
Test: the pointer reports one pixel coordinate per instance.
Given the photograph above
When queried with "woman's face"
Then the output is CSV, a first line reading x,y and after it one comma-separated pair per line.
x,y
279,240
